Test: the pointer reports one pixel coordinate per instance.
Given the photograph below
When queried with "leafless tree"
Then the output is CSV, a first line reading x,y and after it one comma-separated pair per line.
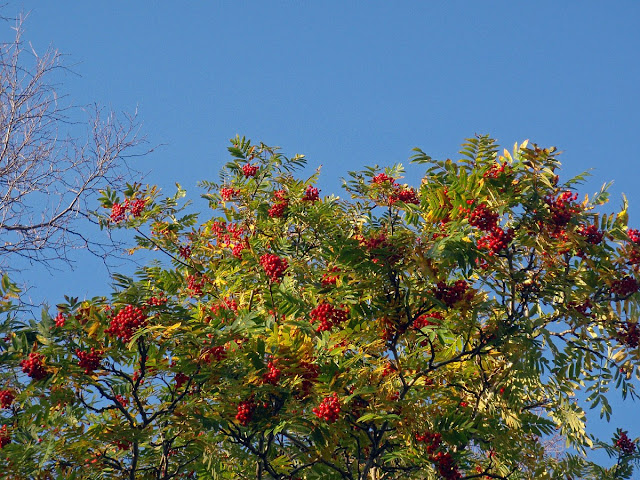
x,y
49,173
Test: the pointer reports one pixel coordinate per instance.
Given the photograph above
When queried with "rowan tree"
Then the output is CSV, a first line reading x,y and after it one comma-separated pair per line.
x,y
442,330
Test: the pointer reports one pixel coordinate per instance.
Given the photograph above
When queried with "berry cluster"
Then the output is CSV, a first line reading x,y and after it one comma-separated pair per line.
x,y
495,170
249,170
227,193
6,398
451,294
311,194
496,241
5,436
125,323
382,178
273,374
60,319
33,366
634,235
443,461
214,354
629,334
329,408
124,401
562,209
230,236
625,286
625,444
427,319
278,209
194,285
331,277
389,368
273,266
180,379
245,412
119,211
581,308
137,206
184,252
90,360
380,248
408,195
225,308
483,218
591,234
328,316
158,301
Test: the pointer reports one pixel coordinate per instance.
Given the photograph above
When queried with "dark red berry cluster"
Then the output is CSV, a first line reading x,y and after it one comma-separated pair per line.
x,y
230,236
496,240
60,319
634,235
311,194
184,252
126,322
33,366
451,294
227,193
407,195
119,211
562,208
496,170
629,334
443,461
245,412
158,301
90,360
278,209
329,408
382,178
249,170
483,218
273,374
124,401
330,277
428,319
5,436
625,444
6,398
137,206
273,266
389,368
581,308
194,285
180,379
225,308
328,316
625,286
214,354
591,234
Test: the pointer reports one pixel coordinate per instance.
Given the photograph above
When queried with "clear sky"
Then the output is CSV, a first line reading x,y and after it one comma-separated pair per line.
x,y
350,84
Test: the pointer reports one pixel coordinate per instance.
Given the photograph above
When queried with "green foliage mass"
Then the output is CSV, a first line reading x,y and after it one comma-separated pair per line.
x,y
442,330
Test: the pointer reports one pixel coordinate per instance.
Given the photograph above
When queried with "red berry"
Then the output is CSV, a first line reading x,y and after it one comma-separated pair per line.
x,y
328,316
273,266
249,170
34,367
312,194
90,361
245,412
6,398
126,322
329,408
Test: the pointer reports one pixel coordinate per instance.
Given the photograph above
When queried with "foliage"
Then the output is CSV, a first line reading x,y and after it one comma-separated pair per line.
x,y
438,331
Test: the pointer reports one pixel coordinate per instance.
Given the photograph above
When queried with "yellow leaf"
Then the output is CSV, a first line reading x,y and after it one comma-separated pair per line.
x,y
172,328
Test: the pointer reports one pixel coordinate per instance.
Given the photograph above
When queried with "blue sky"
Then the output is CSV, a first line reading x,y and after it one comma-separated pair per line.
x,y
352,84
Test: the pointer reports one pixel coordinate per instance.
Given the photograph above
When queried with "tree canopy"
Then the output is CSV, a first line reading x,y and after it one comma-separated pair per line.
x,y
442,330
